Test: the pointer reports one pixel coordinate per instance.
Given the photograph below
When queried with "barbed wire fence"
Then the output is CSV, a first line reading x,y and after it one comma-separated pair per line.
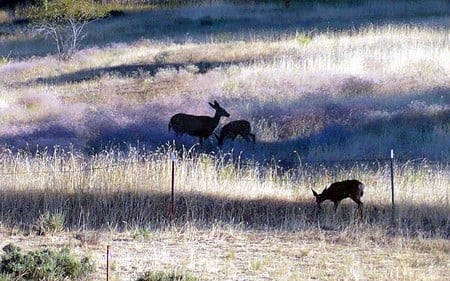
x,y
295,166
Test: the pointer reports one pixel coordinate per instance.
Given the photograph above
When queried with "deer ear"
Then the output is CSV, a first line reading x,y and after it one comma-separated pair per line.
x,y
210,104
314,193
216,103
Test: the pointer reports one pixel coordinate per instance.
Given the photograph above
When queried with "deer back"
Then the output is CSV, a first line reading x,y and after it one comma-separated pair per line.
x,y
344,189
200,126
234,128
193,125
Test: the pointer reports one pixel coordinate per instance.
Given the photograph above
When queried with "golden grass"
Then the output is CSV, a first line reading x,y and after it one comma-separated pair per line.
x,y
237,219
211,188
233,222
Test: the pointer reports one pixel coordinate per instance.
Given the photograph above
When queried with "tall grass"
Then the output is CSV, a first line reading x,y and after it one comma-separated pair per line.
x,y
122,191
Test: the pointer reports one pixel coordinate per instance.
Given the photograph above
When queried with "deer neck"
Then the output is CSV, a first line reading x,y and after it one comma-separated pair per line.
x,y
216,119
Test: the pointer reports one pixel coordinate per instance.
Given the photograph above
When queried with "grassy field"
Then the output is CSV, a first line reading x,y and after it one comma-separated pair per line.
x,y
231,223
329,91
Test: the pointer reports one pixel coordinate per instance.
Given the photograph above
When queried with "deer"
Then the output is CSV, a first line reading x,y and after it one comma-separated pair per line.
x,y
233,129
337,191
197,126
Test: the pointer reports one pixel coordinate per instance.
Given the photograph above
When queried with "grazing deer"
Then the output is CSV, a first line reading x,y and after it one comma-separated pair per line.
x,y
197,126
341,190
235,128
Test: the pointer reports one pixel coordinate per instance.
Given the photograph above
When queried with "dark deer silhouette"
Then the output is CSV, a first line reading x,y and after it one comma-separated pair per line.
x,y
235,128
337,191
197,126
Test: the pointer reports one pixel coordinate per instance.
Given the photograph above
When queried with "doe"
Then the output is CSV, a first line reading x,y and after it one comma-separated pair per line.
x,y
197,126
337,191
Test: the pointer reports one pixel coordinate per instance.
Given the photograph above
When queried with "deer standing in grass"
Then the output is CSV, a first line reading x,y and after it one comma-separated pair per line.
x,y
337,191
197,126
235,128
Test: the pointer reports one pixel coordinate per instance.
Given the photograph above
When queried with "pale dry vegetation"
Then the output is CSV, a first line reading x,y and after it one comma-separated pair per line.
x,y
233,221
361,84
246,212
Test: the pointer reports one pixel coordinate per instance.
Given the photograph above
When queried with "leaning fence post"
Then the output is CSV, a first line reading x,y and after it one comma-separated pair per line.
x,y
392,187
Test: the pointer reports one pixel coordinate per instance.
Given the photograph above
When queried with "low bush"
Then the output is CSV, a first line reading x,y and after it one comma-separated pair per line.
x,y
43,264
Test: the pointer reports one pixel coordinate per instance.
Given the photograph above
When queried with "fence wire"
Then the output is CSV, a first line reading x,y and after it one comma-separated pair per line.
x,y
278,167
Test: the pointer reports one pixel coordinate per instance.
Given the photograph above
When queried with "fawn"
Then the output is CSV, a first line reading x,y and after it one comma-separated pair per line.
x,y
235,128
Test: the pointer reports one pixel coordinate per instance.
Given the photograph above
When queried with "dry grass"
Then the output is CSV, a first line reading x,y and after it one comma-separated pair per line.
x,y
246,212
361,84
235,254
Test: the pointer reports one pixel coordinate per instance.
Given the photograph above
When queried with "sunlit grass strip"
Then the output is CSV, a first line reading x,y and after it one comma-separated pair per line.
x,y
122,190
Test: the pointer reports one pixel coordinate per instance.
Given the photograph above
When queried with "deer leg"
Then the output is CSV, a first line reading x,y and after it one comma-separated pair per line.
x,y
318,208
336,204
358,201
246,138
361,210
253,137
360,206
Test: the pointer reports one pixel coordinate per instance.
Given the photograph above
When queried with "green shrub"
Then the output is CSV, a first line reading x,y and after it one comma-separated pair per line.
x,y
42,264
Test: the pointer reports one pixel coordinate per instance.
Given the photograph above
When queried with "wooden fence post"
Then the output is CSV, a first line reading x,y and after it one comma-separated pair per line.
x,y
173,158
107,261
392,187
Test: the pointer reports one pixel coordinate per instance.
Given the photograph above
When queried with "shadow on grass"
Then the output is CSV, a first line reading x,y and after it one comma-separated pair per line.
x,y
414,134
120,210
200,67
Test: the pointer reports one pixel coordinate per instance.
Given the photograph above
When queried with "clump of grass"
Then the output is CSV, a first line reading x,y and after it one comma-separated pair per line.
x,y
356,87
5,16
50,223
4,60
303,39
167,276
161,57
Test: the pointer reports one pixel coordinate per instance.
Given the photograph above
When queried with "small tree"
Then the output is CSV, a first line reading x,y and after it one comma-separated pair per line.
x,y
64,21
